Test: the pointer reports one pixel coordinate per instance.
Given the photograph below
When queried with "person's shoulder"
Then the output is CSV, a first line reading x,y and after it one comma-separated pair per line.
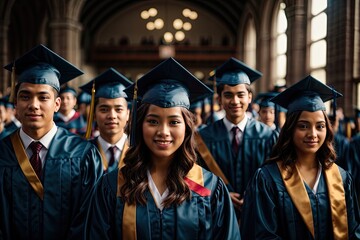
x,y
257,128
212,129
70,141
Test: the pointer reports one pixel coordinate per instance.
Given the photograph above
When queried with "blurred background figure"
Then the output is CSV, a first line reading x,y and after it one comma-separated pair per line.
x,y
67,117
267,109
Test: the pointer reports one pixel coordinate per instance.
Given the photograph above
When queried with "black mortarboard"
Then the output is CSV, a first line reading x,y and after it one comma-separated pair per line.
x,y
40,65
169,84
68,89
234,72
308,94
263,99
109,84
84,97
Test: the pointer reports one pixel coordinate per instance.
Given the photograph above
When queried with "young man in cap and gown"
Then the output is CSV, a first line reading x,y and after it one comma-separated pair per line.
x,y
46,173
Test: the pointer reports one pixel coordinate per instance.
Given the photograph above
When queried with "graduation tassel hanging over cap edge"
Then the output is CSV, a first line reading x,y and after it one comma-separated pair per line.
x,y
12,88
133,115
91,113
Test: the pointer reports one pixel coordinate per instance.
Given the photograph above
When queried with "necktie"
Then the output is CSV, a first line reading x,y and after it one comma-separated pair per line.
x,y
235,142
112,155
35,158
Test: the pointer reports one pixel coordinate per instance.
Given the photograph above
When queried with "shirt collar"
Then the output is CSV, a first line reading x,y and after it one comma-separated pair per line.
x,y
105,145
45,140
241,125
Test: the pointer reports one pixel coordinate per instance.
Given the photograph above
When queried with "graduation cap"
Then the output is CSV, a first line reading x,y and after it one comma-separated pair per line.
x,y
234,72
84,97
109,84
263,99
68,89
309,94
40,65
167,85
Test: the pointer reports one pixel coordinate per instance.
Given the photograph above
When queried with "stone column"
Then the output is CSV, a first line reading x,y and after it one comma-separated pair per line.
x,y
297,39
4,74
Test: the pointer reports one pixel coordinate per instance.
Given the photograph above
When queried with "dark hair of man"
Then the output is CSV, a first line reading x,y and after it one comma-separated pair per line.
x,y
137,163
284,149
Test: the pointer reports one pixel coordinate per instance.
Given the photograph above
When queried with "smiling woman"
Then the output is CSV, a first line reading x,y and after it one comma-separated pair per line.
x,y
161,193
300,193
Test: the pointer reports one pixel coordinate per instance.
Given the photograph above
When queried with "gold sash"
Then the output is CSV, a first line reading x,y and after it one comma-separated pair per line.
x,y
337,202
296,189
129,216
25,165
122,155
209,159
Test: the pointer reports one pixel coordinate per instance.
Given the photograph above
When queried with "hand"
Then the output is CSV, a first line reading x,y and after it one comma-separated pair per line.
x,y
237,200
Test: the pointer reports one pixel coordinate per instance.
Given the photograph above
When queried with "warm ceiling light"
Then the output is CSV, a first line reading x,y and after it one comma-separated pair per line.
x,y
168,37
187,26
179,36
199,74
178,24
186,12
144,14
153,12
159,23
193,15
150,26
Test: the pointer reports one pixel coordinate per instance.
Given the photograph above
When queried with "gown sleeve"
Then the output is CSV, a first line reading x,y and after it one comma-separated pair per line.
x,y
101,214
353,212
259,218
224,220
91,171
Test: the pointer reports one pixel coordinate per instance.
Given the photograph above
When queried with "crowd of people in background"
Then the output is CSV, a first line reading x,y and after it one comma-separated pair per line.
x,y
169,155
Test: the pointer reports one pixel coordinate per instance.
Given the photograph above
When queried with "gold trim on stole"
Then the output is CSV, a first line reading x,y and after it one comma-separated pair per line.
x,y
196,174
104,159
209,159
129,214
25,165
337,202
296,189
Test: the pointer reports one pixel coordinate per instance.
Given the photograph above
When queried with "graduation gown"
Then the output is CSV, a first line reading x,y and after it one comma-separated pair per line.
x,y
104,162
209,213
270,213
258,140
341,144
77,124
69,174
353,162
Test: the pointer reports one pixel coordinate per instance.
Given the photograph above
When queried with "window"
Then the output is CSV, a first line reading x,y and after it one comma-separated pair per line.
x,y
317,44
281,46
250,44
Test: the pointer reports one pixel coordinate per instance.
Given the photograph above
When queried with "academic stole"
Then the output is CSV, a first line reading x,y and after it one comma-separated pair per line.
x,y
195,181
296,189
103,156
209,159
25,165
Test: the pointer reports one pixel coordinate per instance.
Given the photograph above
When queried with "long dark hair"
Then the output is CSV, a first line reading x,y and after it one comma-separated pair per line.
x,y
137,163
284,149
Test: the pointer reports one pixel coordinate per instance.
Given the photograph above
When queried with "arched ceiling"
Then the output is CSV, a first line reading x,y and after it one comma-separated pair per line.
x,y
95,12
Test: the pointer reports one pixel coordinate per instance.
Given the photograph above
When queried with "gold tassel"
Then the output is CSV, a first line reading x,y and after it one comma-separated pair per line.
x,y
133,116
12,89
91,113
